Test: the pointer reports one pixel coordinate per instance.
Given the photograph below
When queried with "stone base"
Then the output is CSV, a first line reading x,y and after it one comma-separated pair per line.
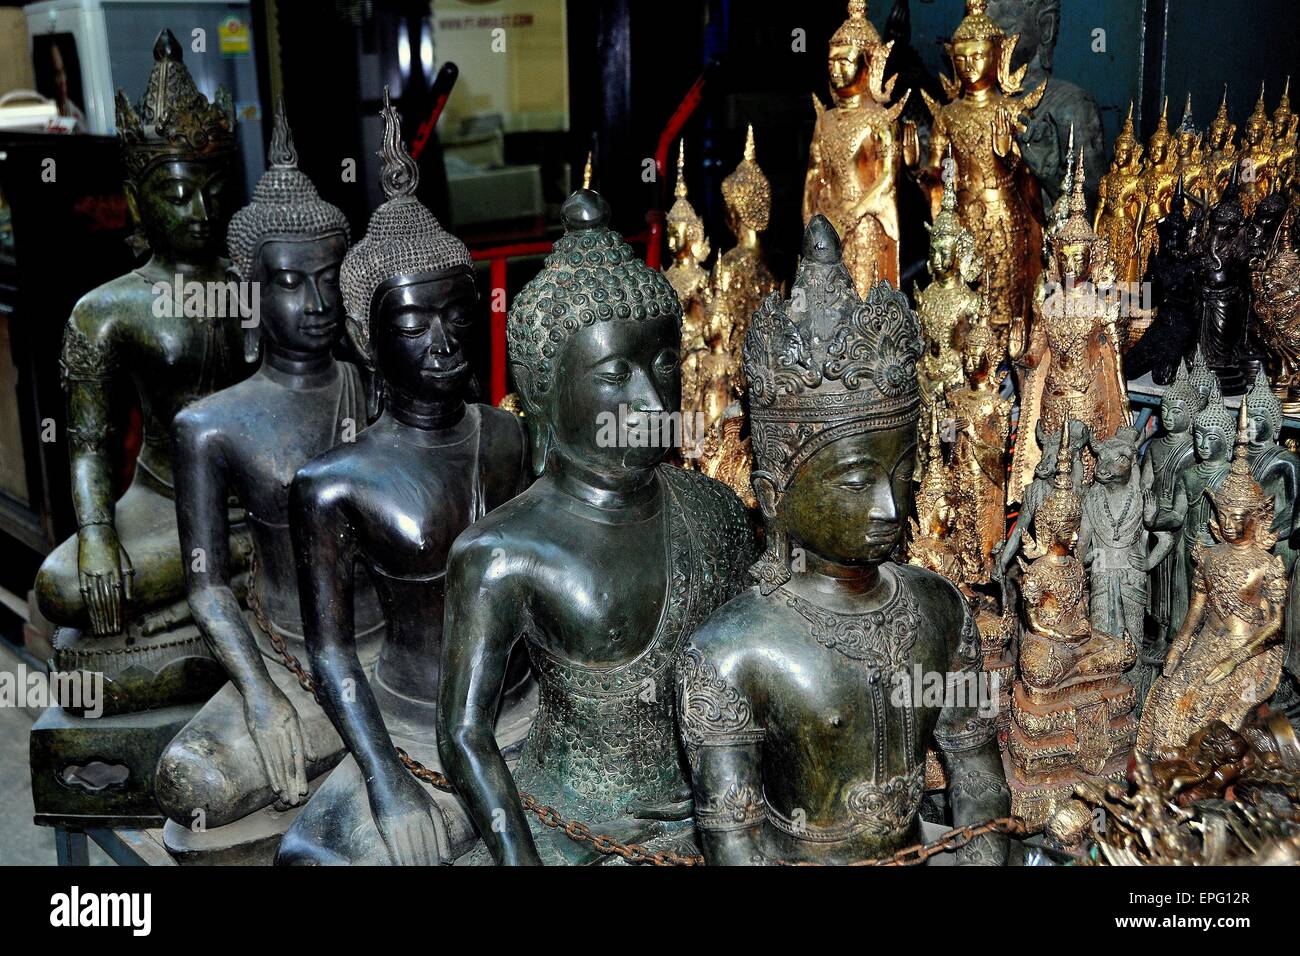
x,y
1036,799
100,772
252,841
141,671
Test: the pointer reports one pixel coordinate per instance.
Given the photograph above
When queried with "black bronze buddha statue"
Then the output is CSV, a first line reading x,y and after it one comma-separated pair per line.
x,y
117,588
262,737
392,502
800,708
603,567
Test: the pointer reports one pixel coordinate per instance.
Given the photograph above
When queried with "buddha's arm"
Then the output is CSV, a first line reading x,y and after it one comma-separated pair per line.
x,y
1196,609
1273,592
103,566
724,746
325,551
484,599
1171,519
203,523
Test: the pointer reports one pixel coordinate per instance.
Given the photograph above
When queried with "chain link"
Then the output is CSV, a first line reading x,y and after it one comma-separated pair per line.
x,y
580,832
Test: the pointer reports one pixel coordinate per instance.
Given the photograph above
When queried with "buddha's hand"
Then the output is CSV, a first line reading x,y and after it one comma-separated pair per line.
x,y
104,575
1003,129
911,145
412,828
1221,672
277,734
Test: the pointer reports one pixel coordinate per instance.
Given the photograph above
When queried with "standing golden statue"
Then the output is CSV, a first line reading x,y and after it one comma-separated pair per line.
x,y
1227,656
997,194
856,153
1257,172
1189,156
1222,151
982,420
1285,125
1071,367
934,543
1118,201
1155,189
1275,282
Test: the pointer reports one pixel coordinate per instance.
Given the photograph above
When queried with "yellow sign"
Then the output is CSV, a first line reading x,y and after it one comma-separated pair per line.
x,y
235,37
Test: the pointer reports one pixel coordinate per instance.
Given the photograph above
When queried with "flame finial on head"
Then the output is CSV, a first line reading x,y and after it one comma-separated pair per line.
x,y
400,175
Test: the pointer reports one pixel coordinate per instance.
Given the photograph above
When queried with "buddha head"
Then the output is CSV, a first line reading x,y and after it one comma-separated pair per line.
x,y
1127,151
1203,381
686,239
976,49
1282,116
952,245
1158,146
1035,23
1058,518
1187,137
291,243
1222,130
1174,230
1075,247
1180,403
1258,127
593,339
747,195
408,289
176,147
834,402
977,352
1264,411
851,50
1212,432
1243,514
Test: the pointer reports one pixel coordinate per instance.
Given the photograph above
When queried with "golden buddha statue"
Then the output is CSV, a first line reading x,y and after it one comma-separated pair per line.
x,y
1227,656
1257,173
1155,188
1071,367
933,543
1285,124
949,303
1118,200
1071,711
1222,150
997,194
855,158
1189,156
982,420
741,280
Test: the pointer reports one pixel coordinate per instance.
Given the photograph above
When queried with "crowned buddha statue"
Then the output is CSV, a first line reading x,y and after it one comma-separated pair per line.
x,y
1275,304
997,196
1257,172
1071,367
117,588
601,570
262,737
948,304
933,542
1155,189
1035,493
690,280
1071,710
1285,127
1189,155
1226,658
1168,454
1118,199
387,506
981,427
1066,108
790,770
857,152
1222,152
1188,513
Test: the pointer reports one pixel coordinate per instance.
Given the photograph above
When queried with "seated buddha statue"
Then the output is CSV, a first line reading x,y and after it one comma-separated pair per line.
x,y
601,569
117,587
791,768
1071,712
392,502
262,737
1226,658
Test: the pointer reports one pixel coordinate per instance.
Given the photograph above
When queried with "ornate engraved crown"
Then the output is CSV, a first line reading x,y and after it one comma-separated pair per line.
x,y
173,120
1187,124
403,238
1282,115
1127,137
682,211
1162,128
285,203
1239,489
1221,122
1262,402
977,24
825,364
747,190
1076,228
857,30
1260,115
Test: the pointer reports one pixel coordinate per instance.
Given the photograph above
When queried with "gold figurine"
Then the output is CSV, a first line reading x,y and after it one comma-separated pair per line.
x,y
1275,282
1222,151
1071,711
1227,656
1256,158
1155,189
855,158
997,197
934,543
1285,125
1071,367
1118,201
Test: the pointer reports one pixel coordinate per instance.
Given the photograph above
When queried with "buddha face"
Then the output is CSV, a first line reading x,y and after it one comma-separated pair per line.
x,y
1220,134
623,371
1158,149
1210,442
181,206
848,69
1236,524
1074,259
849,502
943,255
975,63
1184,143
298,279
1257,130
1177,417
1123,153
418,330
975,361
1261,429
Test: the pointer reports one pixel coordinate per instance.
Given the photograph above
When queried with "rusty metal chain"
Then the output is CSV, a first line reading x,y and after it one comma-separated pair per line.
x,y
580,832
